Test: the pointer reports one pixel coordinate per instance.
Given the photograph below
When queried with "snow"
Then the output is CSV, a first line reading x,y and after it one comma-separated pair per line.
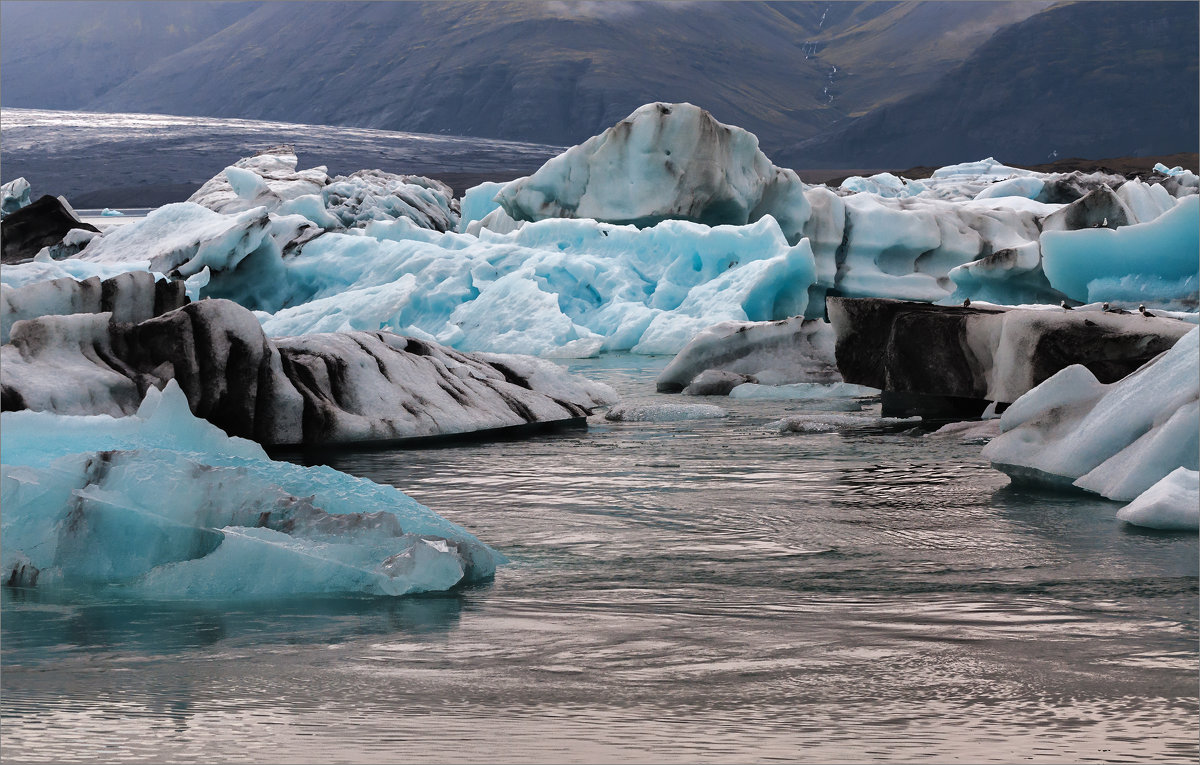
x,y
84,508
1172,504
1153,261
1116,440
663,412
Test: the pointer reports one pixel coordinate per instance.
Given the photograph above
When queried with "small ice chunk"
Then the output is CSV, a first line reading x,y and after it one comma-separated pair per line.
x,y
802,391
829,423
663,412
971,430
1172,504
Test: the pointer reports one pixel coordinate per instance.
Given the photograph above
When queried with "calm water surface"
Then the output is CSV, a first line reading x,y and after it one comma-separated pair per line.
x,y
679,592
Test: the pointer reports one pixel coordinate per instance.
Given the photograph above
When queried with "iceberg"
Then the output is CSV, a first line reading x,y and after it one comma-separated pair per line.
x,y
1116,440
774,352
832,423
477,203
13,196
130,297
1159,167
1154,261
555,287
1172,504
603,249
663,161
28,231
84,509
265,180
271,181
350,387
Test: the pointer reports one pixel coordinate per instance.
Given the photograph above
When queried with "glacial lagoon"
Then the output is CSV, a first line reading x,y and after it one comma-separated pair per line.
x,y
706,590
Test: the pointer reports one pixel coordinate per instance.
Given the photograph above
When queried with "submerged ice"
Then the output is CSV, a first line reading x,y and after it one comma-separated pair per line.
x,y
161,504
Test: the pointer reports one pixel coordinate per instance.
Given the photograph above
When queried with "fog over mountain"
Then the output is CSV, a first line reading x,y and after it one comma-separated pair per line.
x,y
822,84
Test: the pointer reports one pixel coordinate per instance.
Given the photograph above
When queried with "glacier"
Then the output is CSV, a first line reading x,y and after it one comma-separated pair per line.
x,y
86,509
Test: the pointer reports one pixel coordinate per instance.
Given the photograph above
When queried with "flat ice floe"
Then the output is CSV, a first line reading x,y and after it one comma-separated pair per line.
x,y
832,423
796,391
83,509
663,412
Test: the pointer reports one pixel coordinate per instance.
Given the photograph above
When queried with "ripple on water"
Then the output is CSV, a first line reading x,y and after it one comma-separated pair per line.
x,y
680,592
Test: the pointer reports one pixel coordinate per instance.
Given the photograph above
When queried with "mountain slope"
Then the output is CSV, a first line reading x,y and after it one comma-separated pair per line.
x,y
62,55
1083,79
553,72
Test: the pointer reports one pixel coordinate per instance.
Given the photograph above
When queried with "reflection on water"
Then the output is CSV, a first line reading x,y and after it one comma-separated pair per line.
x,y
679,592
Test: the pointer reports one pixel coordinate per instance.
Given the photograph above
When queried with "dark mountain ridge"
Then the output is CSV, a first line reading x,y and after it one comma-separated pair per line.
x,y
842,84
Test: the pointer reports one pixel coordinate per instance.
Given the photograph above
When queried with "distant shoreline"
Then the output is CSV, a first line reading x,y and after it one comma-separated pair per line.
x,y
123,161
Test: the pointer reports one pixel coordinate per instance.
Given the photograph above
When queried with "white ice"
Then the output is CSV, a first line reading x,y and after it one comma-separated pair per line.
x,y
1116,440
663,412
793,391
1172,504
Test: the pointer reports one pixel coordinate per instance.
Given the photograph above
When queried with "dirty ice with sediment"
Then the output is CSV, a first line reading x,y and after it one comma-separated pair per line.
x,y
669,233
